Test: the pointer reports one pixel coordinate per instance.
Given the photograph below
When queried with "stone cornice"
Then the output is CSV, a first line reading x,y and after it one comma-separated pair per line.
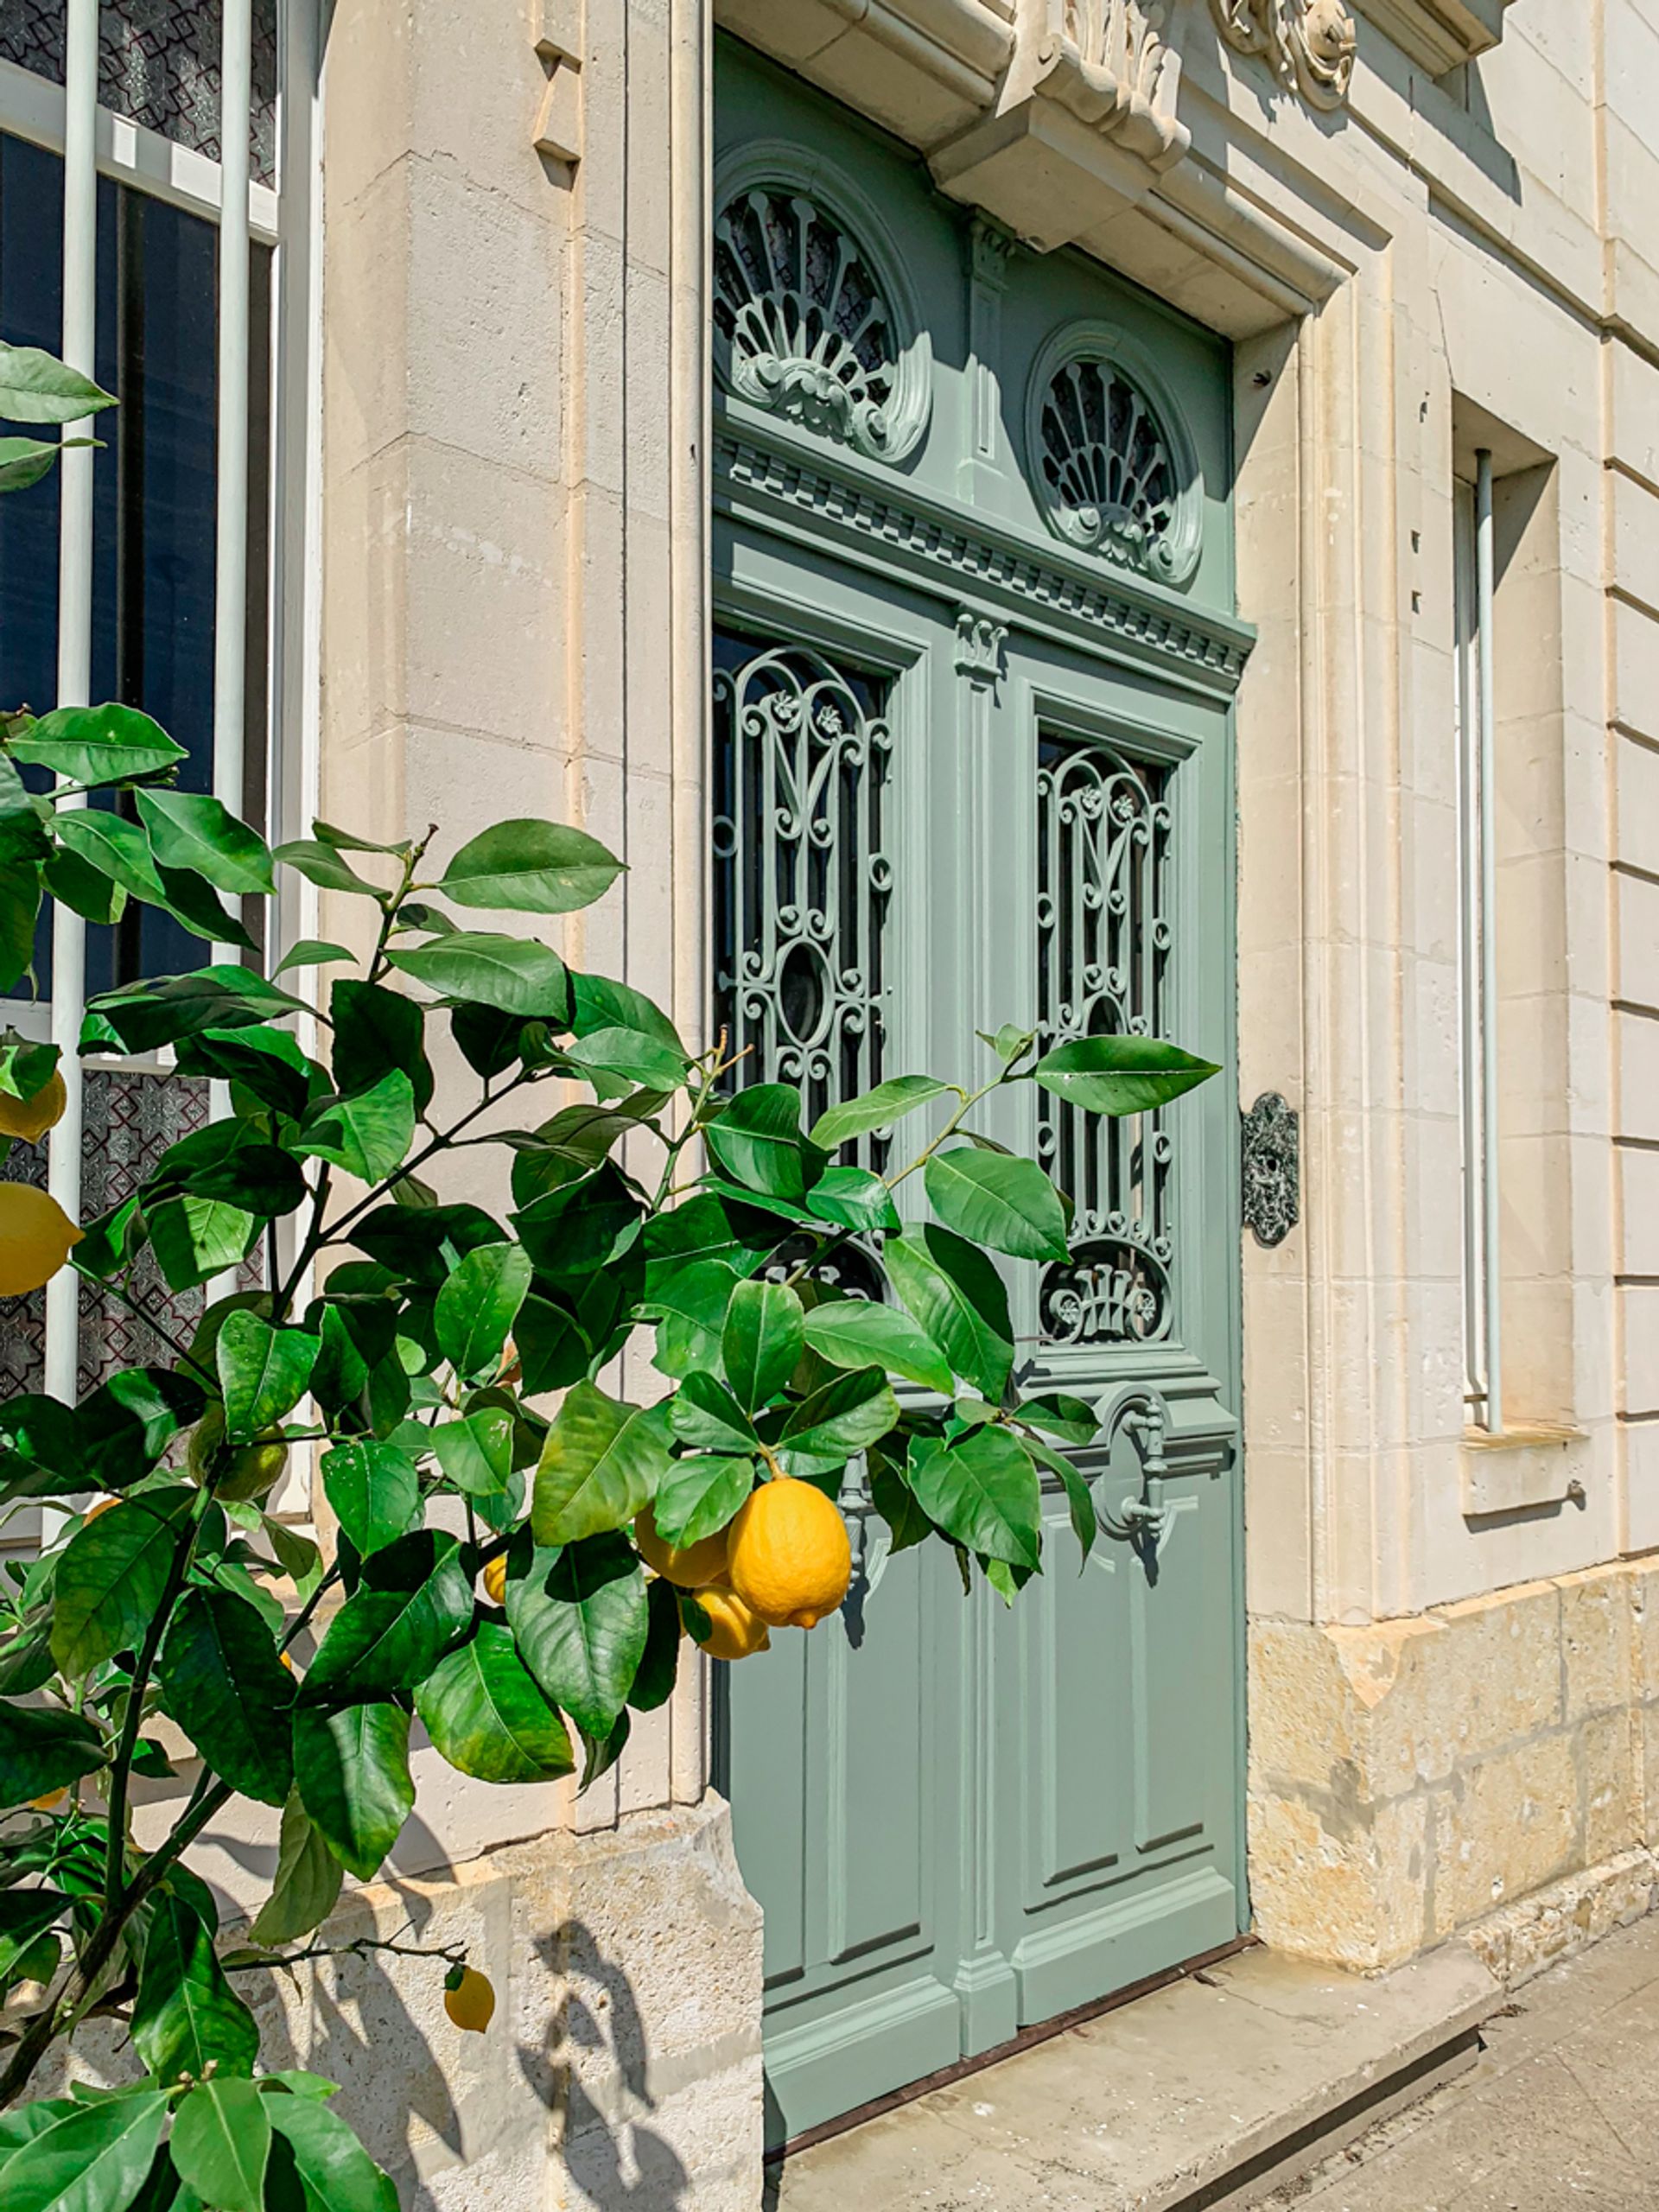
x,y
1438,34
1197,646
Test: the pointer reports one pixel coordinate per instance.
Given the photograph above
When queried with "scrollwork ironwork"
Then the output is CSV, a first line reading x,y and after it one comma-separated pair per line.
x,y
803,879
1105,941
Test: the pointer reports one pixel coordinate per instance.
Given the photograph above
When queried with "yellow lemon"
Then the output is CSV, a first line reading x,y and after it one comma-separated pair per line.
x,y
30,1118
790,1559
471,2003
734,1632
287,1658
49,1802
703,1561
35,1237
103,1506
495,1579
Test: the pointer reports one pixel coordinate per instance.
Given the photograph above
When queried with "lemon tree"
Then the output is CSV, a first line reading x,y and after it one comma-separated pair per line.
x,y
523,1558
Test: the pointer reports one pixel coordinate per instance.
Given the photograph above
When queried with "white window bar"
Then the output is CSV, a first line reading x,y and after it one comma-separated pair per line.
x,y
1483,1277
74,646
94,141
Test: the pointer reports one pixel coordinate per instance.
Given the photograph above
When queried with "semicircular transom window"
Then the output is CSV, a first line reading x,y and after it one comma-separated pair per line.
x,y
1111,475
806,329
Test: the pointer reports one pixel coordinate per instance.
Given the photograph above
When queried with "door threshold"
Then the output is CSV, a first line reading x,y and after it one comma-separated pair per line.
x,y
1027,2038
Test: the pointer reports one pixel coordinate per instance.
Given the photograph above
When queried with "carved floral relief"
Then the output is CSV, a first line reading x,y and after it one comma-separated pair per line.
x,y
1311,43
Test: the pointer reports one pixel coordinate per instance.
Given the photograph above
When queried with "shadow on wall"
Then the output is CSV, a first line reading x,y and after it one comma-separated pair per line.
x,y
375,2028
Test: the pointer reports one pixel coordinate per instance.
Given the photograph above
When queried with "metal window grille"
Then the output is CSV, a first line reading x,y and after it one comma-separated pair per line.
x,y
183,138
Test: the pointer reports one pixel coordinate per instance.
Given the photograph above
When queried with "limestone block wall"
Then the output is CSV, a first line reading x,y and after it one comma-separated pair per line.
x,y
1412,1780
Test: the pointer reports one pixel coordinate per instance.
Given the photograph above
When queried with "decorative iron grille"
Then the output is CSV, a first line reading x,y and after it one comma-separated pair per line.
x,y
803,883
157,62
1107,472
1104,944
129,1120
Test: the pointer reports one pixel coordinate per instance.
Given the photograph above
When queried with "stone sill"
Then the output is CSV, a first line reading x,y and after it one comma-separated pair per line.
x,y
1521,1469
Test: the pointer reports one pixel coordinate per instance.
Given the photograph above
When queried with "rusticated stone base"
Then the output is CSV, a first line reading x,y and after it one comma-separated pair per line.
x,y
1418,1778
1539,1931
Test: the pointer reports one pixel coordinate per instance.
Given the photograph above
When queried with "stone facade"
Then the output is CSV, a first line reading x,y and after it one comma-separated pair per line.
x,y
1428,225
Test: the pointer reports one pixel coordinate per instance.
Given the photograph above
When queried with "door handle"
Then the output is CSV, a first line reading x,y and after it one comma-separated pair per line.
x,y
1143,1415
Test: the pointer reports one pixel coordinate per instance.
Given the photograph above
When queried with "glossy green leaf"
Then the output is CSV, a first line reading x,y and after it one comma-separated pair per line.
x,y
842,1418
85,889
124,1426
960,1300
477,1308
762,1340
353,1772
856,1333
579,1618
991,1197
514,973
484,1711
704,1413
629,1056
529,867
699,1495
96,745
188,830
600,1002
853,1198
222,1682
1120,1075
145,1016
336,2172
476,1451
23,462
368,1135
983,1490
758,1140
1080,1503
187,2015
376,1030
322,864
1073,1419
43,1748
659,1664
221,2143
600,1464
413,1602
262,1371
877,1109
112,1576
267,1063
703,1228
195,1238
307,1886
25,1915
36,387
375,1491
312,952
87,2157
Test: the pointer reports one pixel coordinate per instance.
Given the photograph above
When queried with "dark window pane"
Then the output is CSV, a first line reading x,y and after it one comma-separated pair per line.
x,y
154,522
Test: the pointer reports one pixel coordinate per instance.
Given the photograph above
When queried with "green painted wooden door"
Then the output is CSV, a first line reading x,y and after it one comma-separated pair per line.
x,y
974,661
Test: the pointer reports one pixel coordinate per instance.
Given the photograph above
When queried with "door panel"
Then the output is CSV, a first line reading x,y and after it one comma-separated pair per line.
x,y
972,764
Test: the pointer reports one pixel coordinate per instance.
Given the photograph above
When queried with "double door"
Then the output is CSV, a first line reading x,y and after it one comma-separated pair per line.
x,y
930,820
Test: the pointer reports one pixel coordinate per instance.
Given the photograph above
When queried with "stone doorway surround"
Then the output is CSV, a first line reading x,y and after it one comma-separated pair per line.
x,y
1451,1687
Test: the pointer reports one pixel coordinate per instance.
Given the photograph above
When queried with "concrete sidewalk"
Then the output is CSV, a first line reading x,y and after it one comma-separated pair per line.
x,y
1562,2109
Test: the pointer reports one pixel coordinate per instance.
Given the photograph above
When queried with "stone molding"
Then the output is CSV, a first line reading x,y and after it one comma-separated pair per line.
x,y
1207,647
1438,34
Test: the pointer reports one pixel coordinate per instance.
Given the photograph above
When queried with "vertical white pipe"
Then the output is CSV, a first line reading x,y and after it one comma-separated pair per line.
x,y
74,641
1469,941
231,567
1485,593
231,549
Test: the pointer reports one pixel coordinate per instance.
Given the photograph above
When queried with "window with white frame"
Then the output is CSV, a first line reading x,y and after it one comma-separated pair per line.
x,y
1474,566
157,229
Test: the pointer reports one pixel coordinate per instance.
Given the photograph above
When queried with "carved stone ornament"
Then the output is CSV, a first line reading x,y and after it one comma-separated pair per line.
x,y
1106,60
1271,1169
811,319
1311,43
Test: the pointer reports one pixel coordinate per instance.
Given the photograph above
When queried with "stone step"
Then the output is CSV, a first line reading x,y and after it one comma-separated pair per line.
x,y
1205,2094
